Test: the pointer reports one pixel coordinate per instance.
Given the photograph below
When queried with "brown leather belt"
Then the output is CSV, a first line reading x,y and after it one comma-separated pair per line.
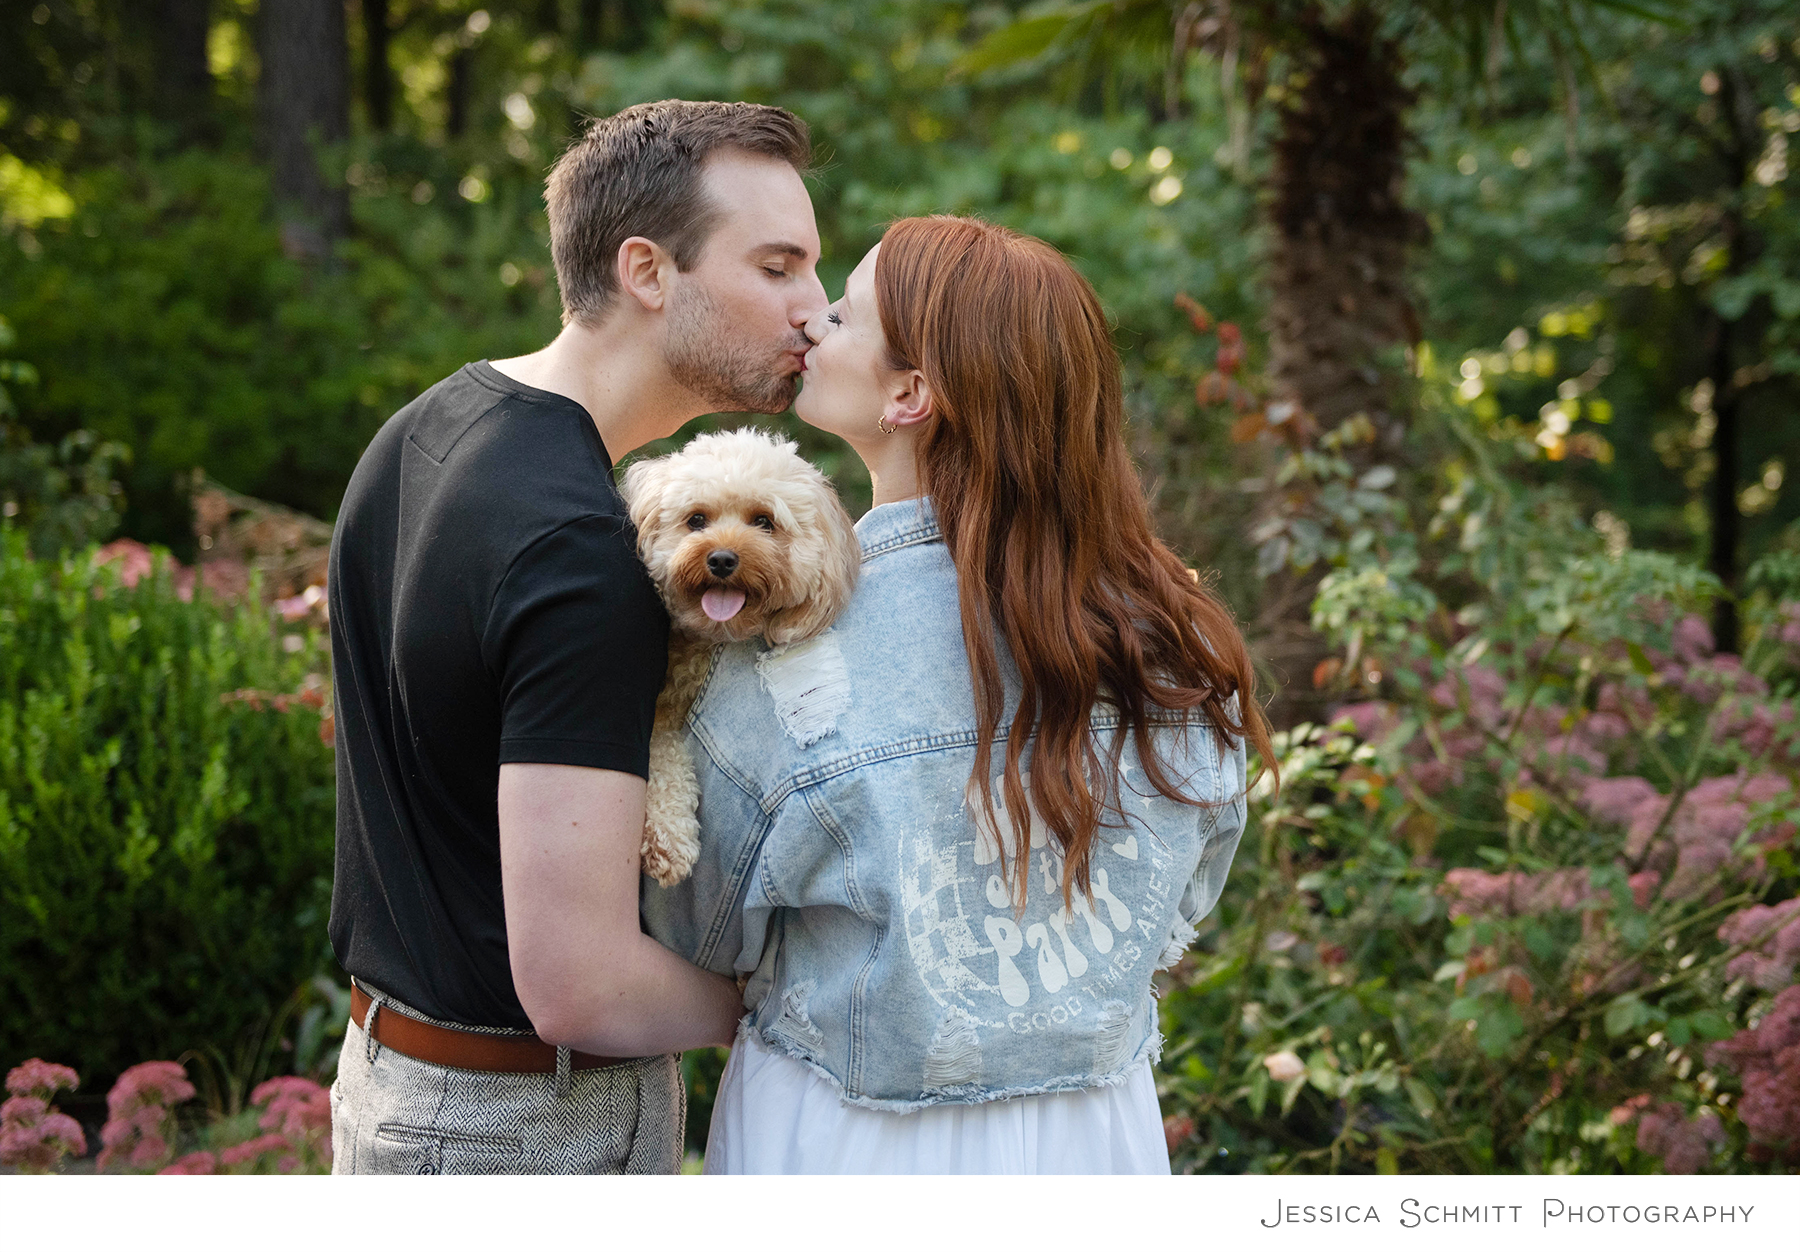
x,y
467,1049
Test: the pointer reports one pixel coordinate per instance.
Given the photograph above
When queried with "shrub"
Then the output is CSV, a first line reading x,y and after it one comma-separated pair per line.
x,y
165,831
64,496
1529,903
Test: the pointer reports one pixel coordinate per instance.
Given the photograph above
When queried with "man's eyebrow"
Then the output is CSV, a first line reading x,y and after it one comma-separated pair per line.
x,y
786,249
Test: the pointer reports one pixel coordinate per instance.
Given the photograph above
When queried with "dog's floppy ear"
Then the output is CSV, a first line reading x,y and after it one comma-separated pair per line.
x,y
835,557
643,492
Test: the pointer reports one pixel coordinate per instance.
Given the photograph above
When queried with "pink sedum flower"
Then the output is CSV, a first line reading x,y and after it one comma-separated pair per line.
x,y
1767,1060
139,1113
252,1150
193,1163
43,1077
34,1137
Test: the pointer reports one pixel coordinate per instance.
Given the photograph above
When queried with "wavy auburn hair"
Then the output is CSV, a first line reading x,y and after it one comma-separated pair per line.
x,y
1024,459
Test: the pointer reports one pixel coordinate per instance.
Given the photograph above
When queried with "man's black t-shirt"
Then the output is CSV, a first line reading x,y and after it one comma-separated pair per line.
x,y
487,606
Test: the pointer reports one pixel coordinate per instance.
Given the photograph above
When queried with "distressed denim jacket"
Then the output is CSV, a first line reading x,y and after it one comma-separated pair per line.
x,y
843,869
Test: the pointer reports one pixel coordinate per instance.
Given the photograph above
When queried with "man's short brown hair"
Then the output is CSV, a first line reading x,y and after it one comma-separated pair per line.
x,y
638,172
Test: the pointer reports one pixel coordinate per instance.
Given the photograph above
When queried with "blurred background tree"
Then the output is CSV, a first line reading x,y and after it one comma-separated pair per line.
x,y
239,234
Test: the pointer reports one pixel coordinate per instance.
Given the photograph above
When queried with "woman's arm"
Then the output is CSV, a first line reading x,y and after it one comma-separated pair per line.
x,y
588,977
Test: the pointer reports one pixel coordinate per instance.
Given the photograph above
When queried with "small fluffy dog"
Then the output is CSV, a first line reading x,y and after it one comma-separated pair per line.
x,y
742,537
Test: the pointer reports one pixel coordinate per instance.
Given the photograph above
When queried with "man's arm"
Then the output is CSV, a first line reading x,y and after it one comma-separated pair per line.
x,y
588,977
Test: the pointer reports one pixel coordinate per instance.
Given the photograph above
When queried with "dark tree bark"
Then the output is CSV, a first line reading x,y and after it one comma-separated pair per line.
x,y
615,25
378,72
1737,152
1723,557
457,92
1340,233
183,87
305,106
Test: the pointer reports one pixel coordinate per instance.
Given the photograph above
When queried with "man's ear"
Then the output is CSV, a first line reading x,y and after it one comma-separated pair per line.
x,y
643,272
909,399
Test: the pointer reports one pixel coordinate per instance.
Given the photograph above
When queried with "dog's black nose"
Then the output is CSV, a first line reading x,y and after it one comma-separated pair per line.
x,y
722,563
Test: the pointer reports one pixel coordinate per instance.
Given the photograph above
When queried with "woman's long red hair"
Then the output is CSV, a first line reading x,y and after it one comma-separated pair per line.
x,y
1024,459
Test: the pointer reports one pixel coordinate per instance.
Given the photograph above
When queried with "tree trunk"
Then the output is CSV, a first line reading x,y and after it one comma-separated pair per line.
x,y
1339,234
614,25
1738,151
457,92
305,106
184,88
378,72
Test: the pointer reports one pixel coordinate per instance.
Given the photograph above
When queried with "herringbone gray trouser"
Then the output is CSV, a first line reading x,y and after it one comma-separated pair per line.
x,y
392,1114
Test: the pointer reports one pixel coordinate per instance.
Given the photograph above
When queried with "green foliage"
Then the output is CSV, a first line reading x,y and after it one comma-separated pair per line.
x,y
165,839
1498,913
164,316
64,496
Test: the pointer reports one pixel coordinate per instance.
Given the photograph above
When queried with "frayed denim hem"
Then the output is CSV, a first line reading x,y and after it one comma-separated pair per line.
x,y
969,1093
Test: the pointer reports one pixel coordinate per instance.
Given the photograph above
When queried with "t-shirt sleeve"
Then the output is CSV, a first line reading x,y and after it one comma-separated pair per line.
x,y
579,642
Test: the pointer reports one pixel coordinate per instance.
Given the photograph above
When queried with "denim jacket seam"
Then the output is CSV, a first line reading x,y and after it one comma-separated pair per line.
x,y
827,821
731,901
905,539
915,745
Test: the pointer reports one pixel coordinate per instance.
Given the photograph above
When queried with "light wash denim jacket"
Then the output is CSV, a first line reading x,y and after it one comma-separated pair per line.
x,y
842,868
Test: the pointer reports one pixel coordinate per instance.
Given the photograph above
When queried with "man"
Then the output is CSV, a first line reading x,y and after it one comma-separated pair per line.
x,y
497,650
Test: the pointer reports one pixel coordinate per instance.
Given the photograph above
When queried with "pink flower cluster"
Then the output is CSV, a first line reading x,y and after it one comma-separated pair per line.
x,y
1698,841
33,1135
297,1118
1767,1060
224,580
139,1109
1773,936
1474,891
299,1112
1665,1130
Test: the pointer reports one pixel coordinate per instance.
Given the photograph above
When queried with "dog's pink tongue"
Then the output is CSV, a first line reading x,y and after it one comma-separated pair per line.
x,y
722,603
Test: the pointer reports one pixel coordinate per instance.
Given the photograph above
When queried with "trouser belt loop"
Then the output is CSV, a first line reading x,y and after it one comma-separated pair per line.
x,y
372,1048
562,1073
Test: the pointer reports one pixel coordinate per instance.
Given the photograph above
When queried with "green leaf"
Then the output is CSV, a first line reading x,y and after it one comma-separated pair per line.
x,y
1421,1097
1712,1024
1024,40
1625,1014
1498,1026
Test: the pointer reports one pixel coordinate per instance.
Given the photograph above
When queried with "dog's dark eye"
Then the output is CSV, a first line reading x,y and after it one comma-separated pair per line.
x,y
765,521
697,522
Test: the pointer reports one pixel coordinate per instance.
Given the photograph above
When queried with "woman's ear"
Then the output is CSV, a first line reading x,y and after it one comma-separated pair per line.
x,y
909,399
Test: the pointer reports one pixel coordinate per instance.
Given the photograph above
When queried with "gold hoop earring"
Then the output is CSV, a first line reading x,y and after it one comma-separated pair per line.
x,y
884,426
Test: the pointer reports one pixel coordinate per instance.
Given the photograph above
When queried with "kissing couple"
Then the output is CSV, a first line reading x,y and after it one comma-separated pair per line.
x,y
942,846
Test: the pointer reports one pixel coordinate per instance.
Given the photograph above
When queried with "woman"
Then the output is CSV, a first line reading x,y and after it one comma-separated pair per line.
x,y
948,842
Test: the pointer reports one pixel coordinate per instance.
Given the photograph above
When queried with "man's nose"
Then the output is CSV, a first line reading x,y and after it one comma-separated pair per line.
x,y
809,310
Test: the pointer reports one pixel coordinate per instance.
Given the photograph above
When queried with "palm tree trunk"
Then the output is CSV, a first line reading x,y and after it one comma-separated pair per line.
x,y
1339,233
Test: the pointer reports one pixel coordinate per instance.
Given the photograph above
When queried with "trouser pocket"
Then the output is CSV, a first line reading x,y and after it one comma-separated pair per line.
x,y
401,1149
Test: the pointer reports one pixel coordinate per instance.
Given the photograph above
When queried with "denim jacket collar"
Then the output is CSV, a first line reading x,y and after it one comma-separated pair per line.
x,y
887,527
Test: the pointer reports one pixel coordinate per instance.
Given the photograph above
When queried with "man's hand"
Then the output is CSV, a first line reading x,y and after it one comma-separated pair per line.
x,y
588,976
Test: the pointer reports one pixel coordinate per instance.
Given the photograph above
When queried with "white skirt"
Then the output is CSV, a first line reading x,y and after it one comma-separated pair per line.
x,y
775,1115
